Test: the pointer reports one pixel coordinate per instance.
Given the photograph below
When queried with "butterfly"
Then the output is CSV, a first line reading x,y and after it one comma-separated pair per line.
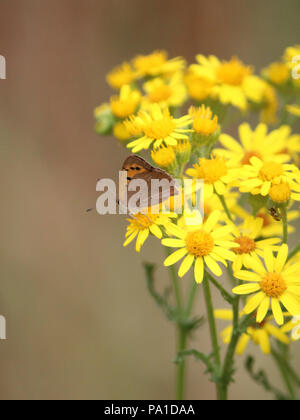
x,y
137,169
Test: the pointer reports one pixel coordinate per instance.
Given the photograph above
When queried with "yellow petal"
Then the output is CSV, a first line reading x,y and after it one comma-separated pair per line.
x,y
212,220
264,341
277,312
253,303
263,309
175,257
281,258
230,143
269,259
186,265
213,265
265,188
242,344
246,289
277,333
221,232
143,235
155,230
173,243
247,275
225,314
199,270
130,238
256,265
291,304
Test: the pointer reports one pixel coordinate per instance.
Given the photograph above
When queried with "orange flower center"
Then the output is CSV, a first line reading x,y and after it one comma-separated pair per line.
x,y
246,245
143,221
248,156
160,129
199,243
273,285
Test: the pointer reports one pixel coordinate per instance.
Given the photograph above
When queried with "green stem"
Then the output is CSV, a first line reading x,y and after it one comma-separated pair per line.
x,y
229,358
182,343
285,374
223,202
227,296
182,331
284,225
181,367
212,328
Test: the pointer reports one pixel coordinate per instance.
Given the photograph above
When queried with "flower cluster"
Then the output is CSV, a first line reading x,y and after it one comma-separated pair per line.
x,y
180,116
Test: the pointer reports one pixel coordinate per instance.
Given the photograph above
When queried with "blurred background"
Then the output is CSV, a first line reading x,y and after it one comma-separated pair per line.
x,y
80,323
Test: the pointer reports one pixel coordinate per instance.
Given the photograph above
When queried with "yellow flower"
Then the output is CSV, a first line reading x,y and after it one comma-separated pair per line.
x,y
270,177
270,227
204,244
199,86
164,156
233,82
260,333
156,64
182,147
120,131
159,127
132,126
204,122
294,110
258,142
277,73
292,326
120,76
170,93
291,52
292,143
247,236
141,225
215,174
126,103
273,282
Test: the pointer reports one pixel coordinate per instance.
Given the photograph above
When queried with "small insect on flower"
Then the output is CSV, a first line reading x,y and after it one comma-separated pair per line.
x,y
275,213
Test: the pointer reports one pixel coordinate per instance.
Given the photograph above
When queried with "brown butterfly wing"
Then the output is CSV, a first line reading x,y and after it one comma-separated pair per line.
x,y
137,168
